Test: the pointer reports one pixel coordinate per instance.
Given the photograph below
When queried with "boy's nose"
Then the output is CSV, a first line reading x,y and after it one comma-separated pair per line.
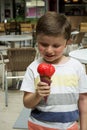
x,y
49,49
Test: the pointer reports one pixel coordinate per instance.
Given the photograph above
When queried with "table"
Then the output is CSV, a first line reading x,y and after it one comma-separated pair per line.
x,y
15,38
80,54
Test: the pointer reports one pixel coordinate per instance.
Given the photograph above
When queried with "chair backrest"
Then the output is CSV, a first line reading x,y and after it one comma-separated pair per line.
x,y
83,27
26,28
2,27
12,27
20,58
79,38
7,28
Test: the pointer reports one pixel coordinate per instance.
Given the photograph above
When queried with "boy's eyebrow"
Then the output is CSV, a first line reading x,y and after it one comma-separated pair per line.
x,y
43,42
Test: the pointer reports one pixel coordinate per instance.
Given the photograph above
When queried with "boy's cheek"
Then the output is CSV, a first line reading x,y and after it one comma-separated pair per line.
x,y
41,49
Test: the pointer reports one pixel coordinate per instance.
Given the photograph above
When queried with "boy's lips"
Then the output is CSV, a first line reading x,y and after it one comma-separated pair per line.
x,y
49,57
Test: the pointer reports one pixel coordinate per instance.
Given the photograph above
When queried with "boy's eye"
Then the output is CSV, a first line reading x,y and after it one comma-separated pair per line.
x,y
56,46
44,44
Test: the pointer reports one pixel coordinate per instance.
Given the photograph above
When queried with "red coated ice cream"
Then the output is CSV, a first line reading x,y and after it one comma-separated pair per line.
x,y
46,71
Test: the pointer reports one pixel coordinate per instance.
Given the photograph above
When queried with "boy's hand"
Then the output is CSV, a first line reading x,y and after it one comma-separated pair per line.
x,y
43,89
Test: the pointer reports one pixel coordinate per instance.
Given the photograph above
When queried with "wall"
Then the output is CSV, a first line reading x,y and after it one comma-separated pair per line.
x,y
2,10
6,5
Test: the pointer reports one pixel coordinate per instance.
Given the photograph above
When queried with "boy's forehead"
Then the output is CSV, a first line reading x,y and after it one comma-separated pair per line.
x,y
51,39
43,36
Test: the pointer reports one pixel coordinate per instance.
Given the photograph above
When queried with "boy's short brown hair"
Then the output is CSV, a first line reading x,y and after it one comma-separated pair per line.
x,y
53,24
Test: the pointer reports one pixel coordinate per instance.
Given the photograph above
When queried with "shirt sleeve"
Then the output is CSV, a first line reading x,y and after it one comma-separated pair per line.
x,y
83,81
28,81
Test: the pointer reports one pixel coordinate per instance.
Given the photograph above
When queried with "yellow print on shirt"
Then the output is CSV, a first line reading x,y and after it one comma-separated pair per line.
x,y
65,80
62,80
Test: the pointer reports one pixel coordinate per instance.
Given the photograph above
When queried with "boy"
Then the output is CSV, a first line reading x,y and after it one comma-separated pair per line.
x,y
67,94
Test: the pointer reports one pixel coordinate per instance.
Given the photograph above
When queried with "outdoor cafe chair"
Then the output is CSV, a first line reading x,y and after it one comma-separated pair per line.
x,y
2,29
19,59
12,28
26,28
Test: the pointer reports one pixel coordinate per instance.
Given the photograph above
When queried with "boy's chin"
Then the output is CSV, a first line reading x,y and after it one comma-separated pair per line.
x,y
50,61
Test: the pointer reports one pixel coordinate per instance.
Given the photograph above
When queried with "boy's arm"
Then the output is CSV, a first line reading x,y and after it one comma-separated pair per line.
x,y
83,111
30,100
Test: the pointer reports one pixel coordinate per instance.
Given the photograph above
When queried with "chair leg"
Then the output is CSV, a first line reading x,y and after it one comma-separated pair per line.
x,y
3,65
3,77
6,92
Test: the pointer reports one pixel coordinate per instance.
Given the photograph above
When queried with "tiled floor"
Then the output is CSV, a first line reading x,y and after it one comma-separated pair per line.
x,y
8,115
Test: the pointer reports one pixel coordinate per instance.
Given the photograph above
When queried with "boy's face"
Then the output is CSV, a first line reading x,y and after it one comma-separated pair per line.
x,y
51,48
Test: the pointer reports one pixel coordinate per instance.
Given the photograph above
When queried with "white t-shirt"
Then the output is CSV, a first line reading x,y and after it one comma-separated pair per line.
x,y
61,109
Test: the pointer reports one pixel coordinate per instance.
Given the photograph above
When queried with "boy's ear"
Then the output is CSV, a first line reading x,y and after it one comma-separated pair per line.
x,y
70,41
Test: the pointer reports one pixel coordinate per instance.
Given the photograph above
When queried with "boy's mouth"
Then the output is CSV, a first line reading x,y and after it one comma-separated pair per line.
x,y
49,55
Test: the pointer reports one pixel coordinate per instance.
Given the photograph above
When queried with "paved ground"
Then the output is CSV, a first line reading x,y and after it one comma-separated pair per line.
x,y
8,115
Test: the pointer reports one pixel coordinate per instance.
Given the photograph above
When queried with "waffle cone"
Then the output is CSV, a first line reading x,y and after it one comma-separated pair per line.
x,y
47,80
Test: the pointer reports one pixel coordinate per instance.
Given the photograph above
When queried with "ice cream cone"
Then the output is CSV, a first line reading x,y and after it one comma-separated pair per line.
x,y
47,80
46,71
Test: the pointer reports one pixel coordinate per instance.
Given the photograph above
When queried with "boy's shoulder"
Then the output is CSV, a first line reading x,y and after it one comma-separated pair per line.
x,y
76,63
35,63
